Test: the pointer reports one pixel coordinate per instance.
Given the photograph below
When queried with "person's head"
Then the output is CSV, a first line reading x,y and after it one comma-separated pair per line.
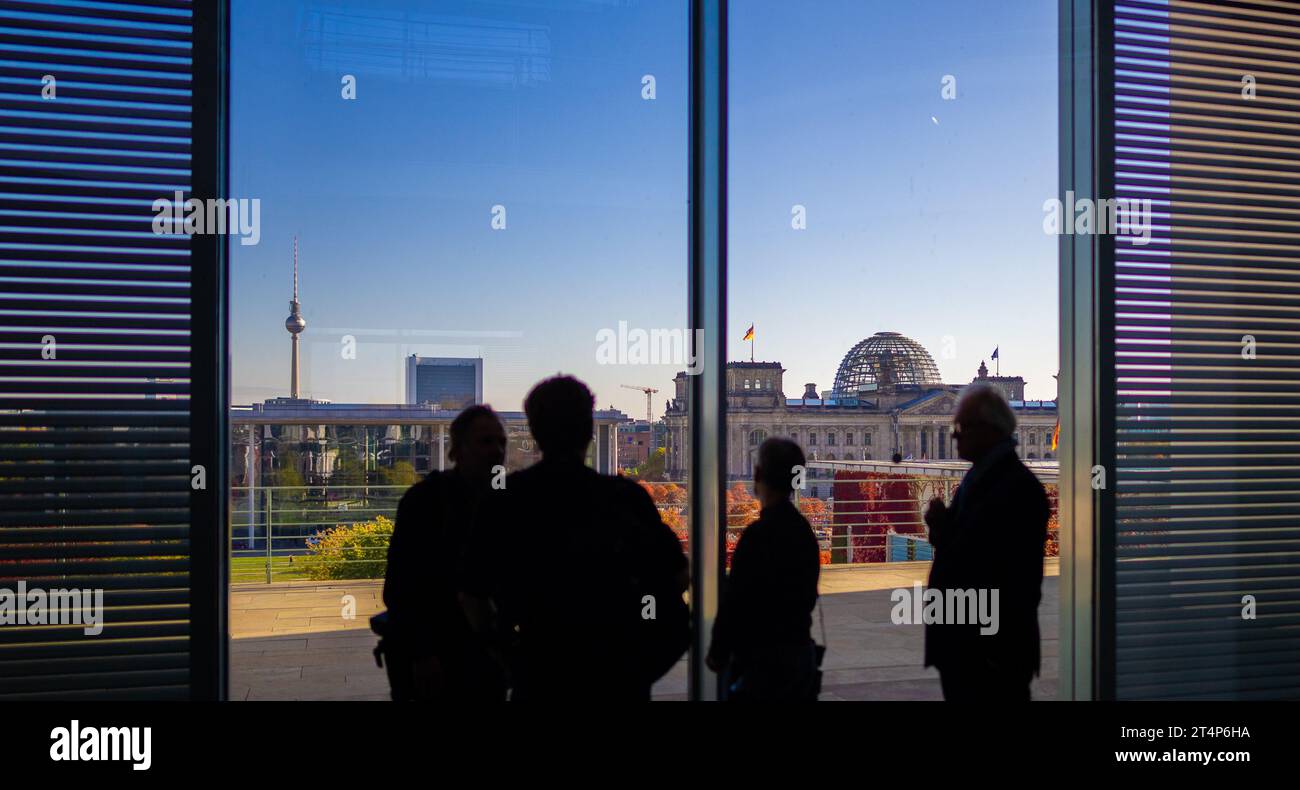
x,y
560,416
478,441
983,420
774,470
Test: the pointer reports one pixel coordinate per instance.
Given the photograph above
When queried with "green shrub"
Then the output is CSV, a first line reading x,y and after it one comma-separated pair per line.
x,y
351,551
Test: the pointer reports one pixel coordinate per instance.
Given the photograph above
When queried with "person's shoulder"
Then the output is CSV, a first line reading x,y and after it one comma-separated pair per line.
x,y
524,475
423,490
625,490
795,518
1022,479
798,514
420,500
526,480
1010,466
766,521
623,484
1024,472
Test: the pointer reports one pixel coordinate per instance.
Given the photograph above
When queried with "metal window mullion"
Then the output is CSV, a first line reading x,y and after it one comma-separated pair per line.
x,y
707,299
210,383
1082,394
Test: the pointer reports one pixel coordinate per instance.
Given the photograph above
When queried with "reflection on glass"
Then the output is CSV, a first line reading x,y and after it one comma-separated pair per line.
x,y
459,199
889,165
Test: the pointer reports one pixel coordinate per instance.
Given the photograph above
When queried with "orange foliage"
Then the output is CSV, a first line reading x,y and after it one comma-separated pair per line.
x,y
1053,547
815,510
670,498
742,508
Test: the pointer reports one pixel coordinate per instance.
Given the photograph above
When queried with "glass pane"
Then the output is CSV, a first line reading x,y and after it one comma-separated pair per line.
x,y
475,197
889,165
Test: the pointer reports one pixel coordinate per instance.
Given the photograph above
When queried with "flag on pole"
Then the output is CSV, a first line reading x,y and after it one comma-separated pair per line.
x,y
749,333
995,353
1056,435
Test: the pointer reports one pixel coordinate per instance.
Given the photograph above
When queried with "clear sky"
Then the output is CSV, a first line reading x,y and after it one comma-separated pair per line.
x,y
924,215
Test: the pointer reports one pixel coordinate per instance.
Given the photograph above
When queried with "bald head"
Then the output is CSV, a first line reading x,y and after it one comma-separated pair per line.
x,y
983,420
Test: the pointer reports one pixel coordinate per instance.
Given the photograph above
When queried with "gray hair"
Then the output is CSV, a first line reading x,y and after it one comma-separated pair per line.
x,y
985,404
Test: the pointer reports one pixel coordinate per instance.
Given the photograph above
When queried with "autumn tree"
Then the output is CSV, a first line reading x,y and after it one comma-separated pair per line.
x,y
653,468
1053,547
816,511
401,473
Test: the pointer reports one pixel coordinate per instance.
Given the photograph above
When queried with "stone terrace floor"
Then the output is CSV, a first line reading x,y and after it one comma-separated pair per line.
x,y
291,640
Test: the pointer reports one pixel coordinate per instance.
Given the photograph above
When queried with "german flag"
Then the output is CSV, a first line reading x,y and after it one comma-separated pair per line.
x,y
749,333
1056,435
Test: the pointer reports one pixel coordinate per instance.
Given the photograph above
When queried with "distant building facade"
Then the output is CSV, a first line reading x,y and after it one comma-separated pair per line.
x,y
1012,387
449,382
314,436
887,398
636,440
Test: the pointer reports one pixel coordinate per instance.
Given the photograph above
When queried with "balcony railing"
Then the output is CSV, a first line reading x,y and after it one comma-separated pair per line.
x,y
281,533
273,529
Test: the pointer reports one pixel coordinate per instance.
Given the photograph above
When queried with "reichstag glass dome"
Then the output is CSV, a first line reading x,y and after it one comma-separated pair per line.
x,y
882,360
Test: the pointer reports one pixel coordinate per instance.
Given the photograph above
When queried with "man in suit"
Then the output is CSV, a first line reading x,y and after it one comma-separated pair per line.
x,y
990,538
564,563
430,651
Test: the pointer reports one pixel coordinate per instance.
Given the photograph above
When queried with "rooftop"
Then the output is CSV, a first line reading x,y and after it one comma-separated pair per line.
x,y
286,410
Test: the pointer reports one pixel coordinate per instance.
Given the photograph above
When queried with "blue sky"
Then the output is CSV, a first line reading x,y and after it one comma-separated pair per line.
x,y
930,229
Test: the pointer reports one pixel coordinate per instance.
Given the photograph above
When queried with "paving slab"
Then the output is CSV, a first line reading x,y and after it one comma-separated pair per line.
x,y
289,640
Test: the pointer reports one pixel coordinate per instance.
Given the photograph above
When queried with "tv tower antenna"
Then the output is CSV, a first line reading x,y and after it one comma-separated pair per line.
x,y
295,323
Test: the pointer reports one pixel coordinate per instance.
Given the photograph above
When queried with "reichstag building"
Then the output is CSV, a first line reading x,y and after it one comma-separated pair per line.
x,y
887,398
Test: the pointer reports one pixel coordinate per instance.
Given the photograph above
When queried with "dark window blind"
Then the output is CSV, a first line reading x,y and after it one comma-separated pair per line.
x,y
1206,478
108,349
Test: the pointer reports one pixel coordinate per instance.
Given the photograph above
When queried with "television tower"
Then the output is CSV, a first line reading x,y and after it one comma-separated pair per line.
x,y
295,323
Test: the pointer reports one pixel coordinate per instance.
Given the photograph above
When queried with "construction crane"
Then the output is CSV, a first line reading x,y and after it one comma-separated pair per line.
x,y
649,411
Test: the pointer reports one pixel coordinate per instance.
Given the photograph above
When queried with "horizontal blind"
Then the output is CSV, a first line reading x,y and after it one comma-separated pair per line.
x,y
95,344
1207,350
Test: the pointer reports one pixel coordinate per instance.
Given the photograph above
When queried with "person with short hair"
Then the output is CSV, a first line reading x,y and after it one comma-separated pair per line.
x,y
762,635
430,652
990,538
564,563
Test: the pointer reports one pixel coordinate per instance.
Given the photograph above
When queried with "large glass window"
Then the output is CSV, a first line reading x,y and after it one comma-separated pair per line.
x,y
889,165
458,200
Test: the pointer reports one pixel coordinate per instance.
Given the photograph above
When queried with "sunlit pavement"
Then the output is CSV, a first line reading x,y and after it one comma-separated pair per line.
x,y
295,640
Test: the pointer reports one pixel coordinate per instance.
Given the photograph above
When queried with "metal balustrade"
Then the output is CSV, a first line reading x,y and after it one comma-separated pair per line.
x,y
276,530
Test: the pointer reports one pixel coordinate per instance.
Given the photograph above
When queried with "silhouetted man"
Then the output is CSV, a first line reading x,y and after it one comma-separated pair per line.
x,y
573,569
990,538
761,638
430,650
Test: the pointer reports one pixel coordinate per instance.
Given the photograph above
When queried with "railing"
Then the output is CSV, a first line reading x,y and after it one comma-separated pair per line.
x,y
273,527
276,531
